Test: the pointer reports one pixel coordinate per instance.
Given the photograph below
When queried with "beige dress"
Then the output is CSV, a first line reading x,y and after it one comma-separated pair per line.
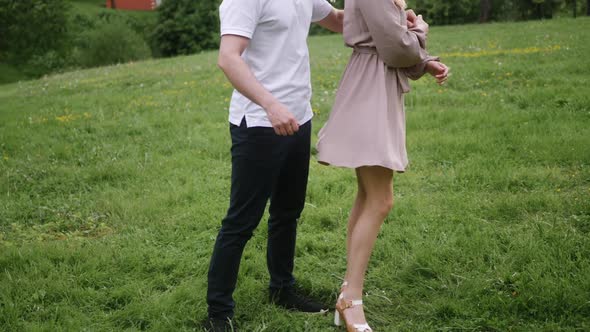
x,y
367,125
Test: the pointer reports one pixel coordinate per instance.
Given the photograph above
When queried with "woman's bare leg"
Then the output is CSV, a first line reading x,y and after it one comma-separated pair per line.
x,y
355,212
378,186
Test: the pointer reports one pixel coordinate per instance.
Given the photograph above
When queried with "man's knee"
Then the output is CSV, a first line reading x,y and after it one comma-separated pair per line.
x,y
285,217
238,229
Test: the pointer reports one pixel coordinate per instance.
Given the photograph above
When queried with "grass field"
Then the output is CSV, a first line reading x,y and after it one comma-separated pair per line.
x,y
113,183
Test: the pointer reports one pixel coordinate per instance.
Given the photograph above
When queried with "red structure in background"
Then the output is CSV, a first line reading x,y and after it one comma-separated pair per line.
x,y
133,4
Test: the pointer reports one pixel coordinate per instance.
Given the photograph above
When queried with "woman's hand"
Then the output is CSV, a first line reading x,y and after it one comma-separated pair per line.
x,y
411,18
414,20
438,70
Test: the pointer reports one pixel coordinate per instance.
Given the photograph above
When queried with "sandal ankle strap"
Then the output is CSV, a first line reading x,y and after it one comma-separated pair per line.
x,y
362,327
349,303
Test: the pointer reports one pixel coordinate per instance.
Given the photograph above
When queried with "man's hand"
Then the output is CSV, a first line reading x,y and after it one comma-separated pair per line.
x,y
283,121
241,77
438,70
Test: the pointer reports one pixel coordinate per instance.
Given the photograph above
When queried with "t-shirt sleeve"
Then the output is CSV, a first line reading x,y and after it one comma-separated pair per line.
x,y
239,17
321,9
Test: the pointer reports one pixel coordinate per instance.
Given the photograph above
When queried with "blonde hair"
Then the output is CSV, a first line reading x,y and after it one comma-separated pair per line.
x,y
400,3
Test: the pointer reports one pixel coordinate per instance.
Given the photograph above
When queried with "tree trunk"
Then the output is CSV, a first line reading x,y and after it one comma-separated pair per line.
x,y
485,8
588,8
113,4
575,9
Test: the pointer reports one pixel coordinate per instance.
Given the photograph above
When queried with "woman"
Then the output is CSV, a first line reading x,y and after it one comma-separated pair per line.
x,y
366,128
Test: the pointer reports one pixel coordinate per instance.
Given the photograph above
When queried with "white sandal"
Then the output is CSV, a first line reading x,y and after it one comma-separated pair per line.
x,y
341,305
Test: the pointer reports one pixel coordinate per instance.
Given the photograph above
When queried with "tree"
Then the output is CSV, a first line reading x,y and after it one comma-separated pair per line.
x,y
32,28
574,7
485,9
186,27
447,12
588,7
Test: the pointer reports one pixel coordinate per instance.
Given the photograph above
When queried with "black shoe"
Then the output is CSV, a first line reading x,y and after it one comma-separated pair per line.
x,y
220,325
289,298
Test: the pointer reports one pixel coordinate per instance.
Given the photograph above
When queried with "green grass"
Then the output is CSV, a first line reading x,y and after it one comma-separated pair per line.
x,y
113,182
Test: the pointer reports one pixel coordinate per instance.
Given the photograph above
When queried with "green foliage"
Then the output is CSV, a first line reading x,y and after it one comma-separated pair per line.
x,y
442,12
186,26
527,9
114,181
143,23
10,73
80,26
110,36
447,12
32,28
464,11
49,62
110,42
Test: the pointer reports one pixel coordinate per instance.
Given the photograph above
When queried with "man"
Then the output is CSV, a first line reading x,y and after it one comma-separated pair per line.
x,y
264,55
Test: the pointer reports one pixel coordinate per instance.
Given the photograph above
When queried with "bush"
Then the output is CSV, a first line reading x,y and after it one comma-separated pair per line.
x,y
186,27
447,12
110,43
467,11
142,25
440,12
32,28
49,62
536,9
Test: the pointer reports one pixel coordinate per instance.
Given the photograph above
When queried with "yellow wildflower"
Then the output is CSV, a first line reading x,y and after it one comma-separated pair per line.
x,y
517,51
66,118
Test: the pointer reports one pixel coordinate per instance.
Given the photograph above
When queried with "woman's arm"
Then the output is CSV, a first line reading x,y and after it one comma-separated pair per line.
x,y
397,46
431,64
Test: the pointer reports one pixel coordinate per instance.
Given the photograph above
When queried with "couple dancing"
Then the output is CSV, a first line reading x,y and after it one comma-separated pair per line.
x,y
264,55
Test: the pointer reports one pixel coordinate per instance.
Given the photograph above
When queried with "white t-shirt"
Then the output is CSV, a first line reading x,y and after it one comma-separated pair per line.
x,y
277,54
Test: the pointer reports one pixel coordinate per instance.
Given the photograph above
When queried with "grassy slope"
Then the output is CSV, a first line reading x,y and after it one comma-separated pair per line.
x,y
113,182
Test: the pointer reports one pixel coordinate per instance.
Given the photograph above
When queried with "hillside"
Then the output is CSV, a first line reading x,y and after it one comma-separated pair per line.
x,y
113,182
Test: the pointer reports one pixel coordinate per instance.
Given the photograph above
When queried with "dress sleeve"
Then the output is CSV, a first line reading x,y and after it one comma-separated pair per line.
x,y
397,46
417,71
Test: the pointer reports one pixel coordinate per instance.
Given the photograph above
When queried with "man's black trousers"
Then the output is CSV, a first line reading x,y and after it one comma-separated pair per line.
x,y
264,166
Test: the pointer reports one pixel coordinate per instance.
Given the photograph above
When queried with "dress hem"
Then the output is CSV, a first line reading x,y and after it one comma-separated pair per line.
x,y
355,166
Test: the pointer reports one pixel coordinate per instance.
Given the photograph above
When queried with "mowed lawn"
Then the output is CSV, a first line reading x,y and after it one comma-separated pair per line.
x,y
114,181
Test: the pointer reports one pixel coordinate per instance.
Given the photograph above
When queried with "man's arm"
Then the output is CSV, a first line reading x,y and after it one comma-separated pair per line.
x,y
243,80
334,21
